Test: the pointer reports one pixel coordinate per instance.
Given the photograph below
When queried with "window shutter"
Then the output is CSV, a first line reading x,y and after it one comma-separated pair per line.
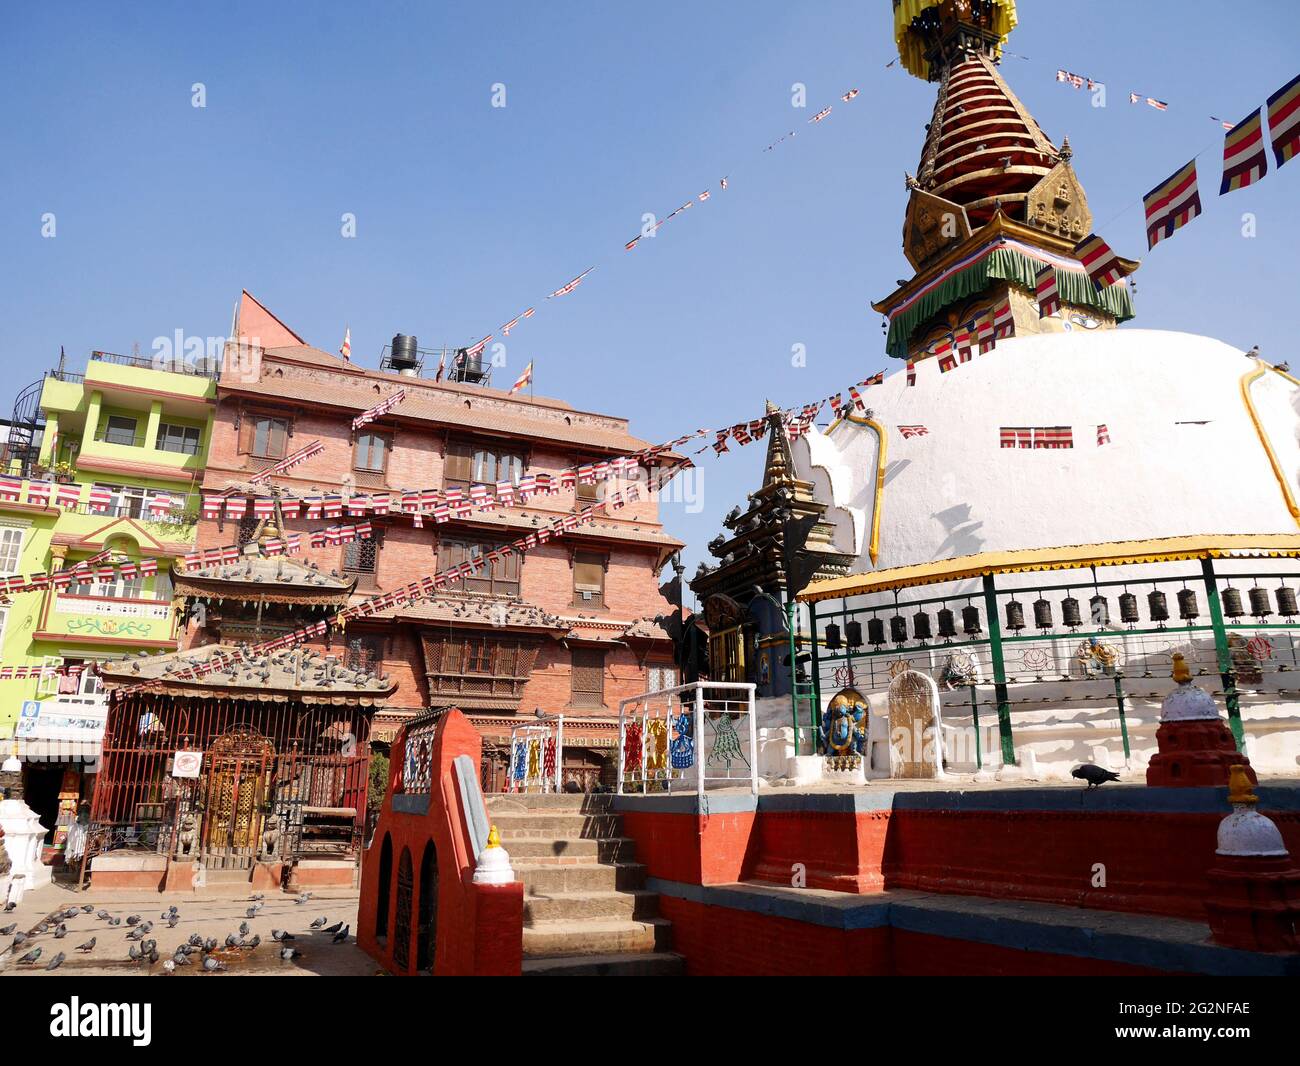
x,y
588,677
459,463
246,424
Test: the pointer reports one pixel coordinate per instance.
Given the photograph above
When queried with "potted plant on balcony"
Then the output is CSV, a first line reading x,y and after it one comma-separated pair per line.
x,y
63,473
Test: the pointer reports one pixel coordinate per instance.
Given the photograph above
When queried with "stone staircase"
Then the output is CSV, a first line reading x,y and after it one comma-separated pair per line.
x,y
586,910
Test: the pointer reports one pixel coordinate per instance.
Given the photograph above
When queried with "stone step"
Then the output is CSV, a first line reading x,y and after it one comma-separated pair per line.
x,y
606,936
514,825
550,849
655,964
549,801
547,879
639,904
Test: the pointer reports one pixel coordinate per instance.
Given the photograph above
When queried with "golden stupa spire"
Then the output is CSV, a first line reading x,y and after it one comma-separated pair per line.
x,y
931,34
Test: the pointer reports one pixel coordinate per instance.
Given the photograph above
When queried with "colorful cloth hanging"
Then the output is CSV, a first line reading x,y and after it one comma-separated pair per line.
x,y
1172,204
1284,121
682,749
1245,159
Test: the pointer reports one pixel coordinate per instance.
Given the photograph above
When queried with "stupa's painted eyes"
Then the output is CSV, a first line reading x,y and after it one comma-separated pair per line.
x,y
1086,321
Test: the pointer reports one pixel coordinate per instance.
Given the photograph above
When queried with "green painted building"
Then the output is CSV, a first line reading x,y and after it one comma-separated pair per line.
x,y
128,432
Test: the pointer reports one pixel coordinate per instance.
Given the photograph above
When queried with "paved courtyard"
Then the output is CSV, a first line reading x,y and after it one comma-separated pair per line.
x,y
208,915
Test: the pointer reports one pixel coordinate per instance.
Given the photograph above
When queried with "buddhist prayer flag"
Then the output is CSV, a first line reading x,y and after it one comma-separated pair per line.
x,y
1004,323
1049,300
912,431
67,496
1245,159
1172,204
1099,261
1053,437
984,332
911,372
1284,121
345,349
1159,105
947,361
475,349
10,489
1017,437
524,379
1103,435
564,290
378,411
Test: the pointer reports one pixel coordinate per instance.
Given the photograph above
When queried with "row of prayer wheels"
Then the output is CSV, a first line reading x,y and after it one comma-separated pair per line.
x,y
1071,615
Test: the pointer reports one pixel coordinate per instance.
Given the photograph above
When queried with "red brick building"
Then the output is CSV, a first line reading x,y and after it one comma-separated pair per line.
x,y
565,628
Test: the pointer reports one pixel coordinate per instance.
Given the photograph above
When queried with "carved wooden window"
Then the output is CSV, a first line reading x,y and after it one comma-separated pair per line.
x,y
470,463
497,578
361,558
588,678
365,653
478,665
589,579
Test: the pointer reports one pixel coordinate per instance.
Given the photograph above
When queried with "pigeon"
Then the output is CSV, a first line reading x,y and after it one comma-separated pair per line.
x,y
1093,774
256,896
252,911
173,920
342,934
8,929
153,956
87,908
1253,353
115,921
282,935
1283,367
290,953
133,919
181,960
170,965
146,927
19,940
61,931
56,962
134,953
195,941
212,965
333,928
210,944
102,915
88,946
42,929
232,941
257,939
319,922
135,934
243,929
10,906
31,956
303,898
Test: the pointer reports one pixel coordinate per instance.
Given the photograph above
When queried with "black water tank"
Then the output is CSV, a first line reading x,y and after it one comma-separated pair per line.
x,y
405,352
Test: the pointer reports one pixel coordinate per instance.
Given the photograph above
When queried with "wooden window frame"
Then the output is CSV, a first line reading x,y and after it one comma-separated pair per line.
x,y
248,421
593,558
587,698
460,468
367,579
452,551
385,437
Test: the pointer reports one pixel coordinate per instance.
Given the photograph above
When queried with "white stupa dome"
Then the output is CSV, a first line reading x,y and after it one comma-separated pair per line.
x,y
1189,703
1247,832
1184,457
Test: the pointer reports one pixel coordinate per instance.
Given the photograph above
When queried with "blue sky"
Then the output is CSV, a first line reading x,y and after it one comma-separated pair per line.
x,y
466,214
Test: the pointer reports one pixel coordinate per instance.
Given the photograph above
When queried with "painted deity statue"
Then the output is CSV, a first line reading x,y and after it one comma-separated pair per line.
x,y
844,725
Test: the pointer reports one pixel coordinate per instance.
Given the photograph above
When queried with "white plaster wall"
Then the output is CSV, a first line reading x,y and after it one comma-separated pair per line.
x,y
956,492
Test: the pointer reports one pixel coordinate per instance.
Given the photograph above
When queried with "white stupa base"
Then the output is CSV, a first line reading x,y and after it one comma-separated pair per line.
x,y
494,868
23,837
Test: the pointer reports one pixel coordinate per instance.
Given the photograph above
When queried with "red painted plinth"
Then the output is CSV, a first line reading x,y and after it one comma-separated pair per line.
x,y
1200,752
1254,902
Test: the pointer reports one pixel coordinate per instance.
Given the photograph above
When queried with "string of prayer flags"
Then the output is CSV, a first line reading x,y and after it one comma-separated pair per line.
x,y
912,431
564,290
379,410
1004,323
1099,261
307,451
984,332
1245,159
1103,435
911,372
1049,298
1172,204
1284,121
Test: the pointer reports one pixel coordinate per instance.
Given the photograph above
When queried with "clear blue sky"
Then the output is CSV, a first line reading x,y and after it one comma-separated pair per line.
x,y
466,214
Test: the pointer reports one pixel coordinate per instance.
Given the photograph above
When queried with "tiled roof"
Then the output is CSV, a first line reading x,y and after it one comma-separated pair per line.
x,y
294,671
645,629
477,610
274,571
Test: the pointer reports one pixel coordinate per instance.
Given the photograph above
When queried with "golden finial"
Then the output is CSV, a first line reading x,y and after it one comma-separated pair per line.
x,y
1181,674
494,838
1239,787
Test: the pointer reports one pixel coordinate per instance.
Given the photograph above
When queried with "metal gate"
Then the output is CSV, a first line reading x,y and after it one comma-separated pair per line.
x,y
239,768
402,923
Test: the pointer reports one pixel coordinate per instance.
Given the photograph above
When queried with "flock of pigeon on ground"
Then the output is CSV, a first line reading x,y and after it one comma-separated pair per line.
x,y
143,949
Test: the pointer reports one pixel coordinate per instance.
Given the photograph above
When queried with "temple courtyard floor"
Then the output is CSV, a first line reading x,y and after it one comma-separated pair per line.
x,y
208,915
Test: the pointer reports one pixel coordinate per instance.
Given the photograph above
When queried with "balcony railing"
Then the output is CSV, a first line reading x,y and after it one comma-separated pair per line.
x,y
205,368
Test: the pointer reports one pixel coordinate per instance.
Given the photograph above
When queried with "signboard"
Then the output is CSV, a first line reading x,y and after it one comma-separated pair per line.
x,y
187,763
59,721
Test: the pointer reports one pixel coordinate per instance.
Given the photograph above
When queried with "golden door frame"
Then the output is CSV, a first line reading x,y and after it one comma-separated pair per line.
x,y
240,764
